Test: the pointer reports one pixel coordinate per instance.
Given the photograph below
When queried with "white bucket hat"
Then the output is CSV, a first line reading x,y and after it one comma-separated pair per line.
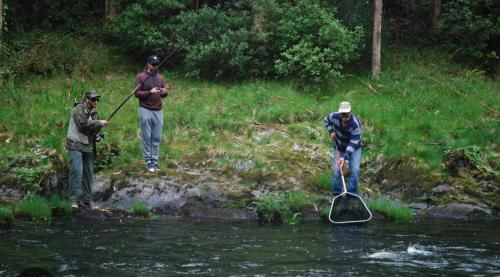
x,y
345,107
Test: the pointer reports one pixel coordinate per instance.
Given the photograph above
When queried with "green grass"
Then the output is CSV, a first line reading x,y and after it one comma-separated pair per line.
x,y
6,213
407,115
324,211
323,180
141,209
60,205
34,207
286,206
391,209
421,106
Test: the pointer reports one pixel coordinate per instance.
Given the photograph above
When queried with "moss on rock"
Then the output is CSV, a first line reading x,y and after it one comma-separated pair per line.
x,y
404,177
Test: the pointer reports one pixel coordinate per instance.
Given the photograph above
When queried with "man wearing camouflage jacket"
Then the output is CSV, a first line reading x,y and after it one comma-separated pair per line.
x,y
83,127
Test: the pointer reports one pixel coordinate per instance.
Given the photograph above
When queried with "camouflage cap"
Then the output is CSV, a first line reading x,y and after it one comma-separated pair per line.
x,y
92,94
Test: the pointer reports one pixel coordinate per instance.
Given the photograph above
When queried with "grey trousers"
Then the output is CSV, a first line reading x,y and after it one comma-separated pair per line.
x,y
151,128
81,164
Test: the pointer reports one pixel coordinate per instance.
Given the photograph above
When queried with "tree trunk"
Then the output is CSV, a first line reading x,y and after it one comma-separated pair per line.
x,y
377,32
258,22
436,13
112,8
1,29
1,20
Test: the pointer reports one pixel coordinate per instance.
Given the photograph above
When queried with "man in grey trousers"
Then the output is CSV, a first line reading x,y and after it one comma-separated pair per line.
x,y
80,143
150,93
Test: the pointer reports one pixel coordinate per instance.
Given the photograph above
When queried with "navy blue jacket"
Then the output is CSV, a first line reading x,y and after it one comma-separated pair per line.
x,y
347,140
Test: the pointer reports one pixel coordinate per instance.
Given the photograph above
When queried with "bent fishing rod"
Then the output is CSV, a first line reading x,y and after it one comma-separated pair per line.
x,y
209,21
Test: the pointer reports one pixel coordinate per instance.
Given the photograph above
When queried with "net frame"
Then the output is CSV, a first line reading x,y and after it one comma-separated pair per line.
x,y
355,196
345,193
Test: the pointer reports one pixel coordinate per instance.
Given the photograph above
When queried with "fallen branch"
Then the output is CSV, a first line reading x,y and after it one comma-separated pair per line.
x,y
364,82
369,86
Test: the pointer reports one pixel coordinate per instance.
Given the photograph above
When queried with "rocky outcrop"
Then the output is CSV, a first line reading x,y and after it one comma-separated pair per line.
x,y
472,190
202,198
460,211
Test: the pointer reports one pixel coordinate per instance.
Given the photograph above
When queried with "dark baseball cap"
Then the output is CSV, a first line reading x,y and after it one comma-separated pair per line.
x,y
153,60
92,94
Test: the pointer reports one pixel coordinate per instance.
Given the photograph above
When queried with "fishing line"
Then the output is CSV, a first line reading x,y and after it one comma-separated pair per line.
x,y
170,54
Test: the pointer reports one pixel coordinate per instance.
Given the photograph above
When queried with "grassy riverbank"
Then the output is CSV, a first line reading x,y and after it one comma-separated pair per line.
x,y
260,131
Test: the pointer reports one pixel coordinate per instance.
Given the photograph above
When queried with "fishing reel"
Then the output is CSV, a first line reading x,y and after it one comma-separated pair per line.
x,y
99,136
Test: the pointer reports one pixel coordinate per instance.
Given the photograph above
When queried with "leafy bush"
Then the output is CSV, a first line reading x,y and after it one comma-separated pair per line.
x,y
48,53
464,161
31,169
227,56
146,26
64,15
31,178
108,151
472,29
224,48
315,46
267,38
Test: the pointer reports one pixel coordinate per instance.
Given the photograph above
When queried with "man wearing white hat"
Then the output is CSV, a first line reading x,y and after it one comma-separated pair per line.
x,y
345,131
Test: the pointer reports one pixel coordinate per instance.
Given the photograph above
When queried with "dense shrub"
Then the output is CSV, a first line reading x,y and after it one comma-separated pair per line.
x,y
223,49
227,56
407,21
46,53
147,26
471,29
264,38
315,46
309,40
63,15
360,13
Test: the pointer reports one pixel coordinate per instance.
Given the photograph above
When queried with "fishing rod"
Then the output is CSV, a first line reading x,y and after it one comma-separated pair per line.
x,y
169,55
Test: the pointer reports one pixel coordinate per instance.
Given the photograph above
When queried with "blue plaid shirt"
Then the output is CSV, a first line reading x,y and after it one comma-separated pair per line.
x,y
347,139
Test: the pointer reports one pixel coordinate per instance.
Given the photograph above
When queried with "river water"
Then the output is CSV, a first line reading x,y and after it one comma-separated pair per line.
x,y
167,247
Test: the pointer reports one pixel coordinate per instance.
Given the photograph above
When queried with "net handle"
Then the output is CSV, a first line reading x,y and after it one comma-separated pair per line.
x,y
340,168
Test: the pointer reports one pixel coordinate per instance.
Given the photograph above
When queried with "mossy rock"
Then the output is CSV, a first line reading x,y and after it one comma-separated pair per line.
x,y
404,177
238,196
6,222
10,179
60,212
474,174
257,175
468,161
487,191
